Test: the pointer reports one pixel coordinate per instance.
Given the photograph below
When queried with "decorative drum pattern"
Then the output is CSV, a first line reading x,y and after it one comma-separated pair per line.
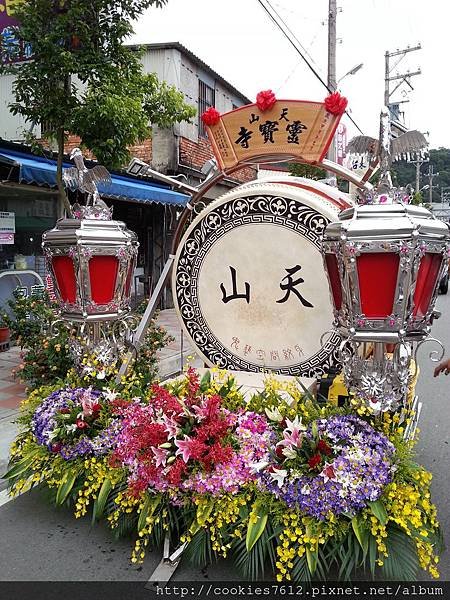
x,y
250,288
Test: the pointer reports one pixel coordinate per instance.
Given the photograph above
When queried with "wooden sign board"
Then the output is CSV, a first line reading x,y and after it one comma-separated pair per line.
x,y
294,128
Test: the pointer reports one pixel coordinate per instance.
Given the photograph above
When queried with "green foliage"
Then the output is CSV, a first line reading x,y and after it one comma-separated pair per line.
x,y
45,357
85,81
404,173
308,171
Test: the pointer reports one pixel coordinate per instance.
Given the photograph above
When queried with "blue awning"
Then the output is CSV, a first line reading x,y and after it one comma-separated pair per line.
x,y
42,171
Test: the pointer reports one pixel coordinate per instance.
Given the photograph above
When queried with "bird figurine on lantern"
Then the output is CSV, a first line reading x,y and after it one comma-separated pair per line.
x,y
384,260
91,259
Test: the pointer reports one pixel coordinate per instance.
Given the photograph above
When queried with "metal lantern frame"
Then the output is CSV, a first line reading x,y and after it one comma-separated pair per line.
x,y
406,233
81,241
407,247
410,236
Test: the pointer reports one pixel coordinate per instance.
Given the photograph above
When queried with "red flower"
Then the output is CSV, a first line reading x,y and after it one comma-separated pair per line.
x,y
336,104
56,447
211,116
324,448
81,424
119,403
265,100
314,461
176,472
279,452
64,411
193,382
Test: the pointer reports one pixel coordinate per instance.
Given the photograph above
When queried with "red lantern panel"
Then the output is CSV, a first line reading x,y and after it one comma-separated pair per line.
x,y
333,274
103,276
377,275
65,278
426,282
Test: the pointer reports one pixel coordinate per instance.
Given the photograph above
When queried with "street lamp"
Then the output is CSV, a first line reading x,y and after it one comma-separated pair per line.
x,y
351,72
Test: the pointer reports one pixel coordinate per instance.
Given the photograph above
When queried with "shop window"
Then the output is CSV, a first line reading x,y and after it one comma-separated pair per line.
x,y
206,99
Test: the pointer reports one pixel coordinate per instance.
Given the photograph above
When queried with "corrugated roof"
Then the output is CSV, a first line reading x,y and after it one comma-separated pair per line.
x,y
195,59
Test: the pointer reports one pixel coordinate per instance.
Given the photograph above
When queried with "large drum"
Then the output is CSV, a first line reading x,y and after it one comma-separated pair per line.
x,y
250,287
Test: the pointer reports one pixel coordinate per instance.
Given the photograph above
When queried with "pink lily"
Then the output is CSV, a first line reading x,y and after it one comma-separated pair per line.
x,y
183,448
160,456
292,439
171,426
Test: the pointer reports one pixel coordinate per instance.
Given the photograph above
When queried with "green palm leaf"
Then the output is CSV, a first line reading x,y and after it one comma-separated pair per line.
x,y
21,466
379,511
100,501
255,529
199,551
402,562
65,487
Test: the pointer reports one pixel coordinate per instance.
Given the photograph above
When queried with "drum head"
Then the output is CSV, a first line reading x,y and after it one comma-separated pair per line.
x,y
249,282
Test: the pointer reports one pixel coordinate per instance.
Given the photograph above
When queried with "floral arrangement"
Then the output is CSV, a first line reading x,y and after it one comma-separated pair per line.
x,y
277,482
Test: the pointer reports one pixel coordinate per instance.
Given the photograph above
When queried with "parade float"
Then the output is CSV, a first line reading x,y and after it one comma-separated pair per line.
x,y
290,280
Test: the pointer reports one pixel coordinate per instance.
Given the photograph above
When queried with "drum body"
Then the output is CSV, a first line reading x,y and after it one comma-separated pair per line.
x,y
250,288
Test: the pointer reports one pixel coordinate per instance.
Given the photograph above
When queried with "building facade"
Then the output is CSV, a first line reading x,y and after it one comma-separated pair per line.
x,y
181,151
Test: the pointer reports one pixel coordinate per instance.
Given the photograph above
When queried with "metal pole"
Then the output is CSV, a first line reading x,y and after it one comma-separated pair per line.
x,y
386,79
331,79
138,337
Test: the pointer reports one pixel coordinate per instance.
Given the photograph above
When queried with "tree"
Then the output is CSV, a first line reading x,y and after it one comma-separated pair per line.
x,y
305,170
85,81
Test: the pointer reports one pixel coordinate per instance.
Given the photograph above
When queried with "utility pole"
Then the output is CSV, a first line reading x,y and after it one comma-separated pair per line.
x,y
430,176
331,79
419,162
401,78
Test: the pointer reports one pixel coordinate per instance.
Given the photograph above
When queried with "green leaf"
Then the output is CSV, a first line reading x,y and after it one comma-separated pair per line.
x,y
255,530
20,467
65,487
311,557
362,534
205,381
100,502
402,562
379,511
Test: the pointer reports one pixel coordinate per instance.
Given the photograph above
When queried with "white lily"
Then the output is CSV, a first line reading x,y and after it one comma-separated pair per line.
x,y
109,394
259,466
279,475
274,414
289,452
295,424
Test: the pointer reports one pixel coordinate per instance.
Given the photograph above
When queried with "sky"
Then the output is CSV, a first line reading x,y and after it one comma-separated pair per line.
x,y
237,39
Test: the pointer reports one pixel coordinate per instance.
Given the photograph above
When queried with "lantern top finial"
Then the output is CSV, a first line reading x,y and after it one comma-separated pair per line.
x,y
81,178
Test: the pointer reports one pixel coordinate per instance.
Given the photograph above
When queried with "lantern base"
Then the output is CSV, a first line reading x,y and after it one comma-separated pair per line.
x,y
105,341
377,373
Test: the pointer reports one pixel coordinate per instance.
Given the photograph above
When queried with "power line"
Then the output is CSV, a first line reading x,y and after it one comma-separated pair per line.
x,y
290,36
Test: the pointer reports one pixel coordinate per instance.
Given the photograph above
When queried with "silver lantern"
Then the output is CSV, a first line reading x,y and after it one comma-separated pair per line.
x,y
384,263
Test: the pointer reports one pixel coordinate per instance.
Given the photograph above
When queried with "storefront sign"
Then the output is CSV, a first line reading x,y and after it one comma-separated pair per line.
x,y
251,291
6,238
341,143
12,49
7,222
291,127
